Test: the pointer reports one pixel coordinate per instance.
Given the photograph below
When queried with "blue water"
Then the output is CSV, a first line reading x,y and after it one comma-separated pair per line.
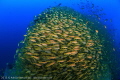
x,y
16,15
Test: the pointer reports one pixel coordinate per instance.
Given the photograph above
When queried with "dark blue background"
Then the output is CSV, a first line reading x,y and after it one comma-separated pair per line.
x,y
16,15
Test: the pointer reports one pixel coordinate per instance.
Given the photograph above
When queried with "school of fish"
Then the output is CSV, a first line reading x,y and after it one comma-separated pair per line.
x,y
61,43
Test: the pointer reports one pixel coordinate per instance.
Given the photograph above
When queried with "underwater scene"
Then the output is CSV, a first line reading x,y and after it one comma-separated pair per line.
x,y
59,40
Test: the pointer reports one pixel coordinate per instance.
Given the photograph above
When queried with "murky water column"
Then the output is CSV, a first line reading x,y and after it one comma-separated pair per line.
x,y
62,44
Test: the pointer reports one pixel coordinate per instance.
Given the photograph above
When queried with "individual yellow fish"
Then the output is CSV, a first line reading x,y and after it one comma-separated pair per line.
x,y
71,65
50,64
96,31
61,61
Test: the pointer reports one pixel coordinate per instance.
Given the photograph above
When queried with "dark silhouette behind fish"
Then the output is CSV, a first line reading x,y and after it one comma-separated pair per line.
x,y
59,4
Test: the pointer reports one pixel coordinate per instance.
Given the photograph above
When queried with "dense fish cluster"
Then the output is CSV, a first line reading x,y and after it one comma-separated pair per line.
x,y
61,43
